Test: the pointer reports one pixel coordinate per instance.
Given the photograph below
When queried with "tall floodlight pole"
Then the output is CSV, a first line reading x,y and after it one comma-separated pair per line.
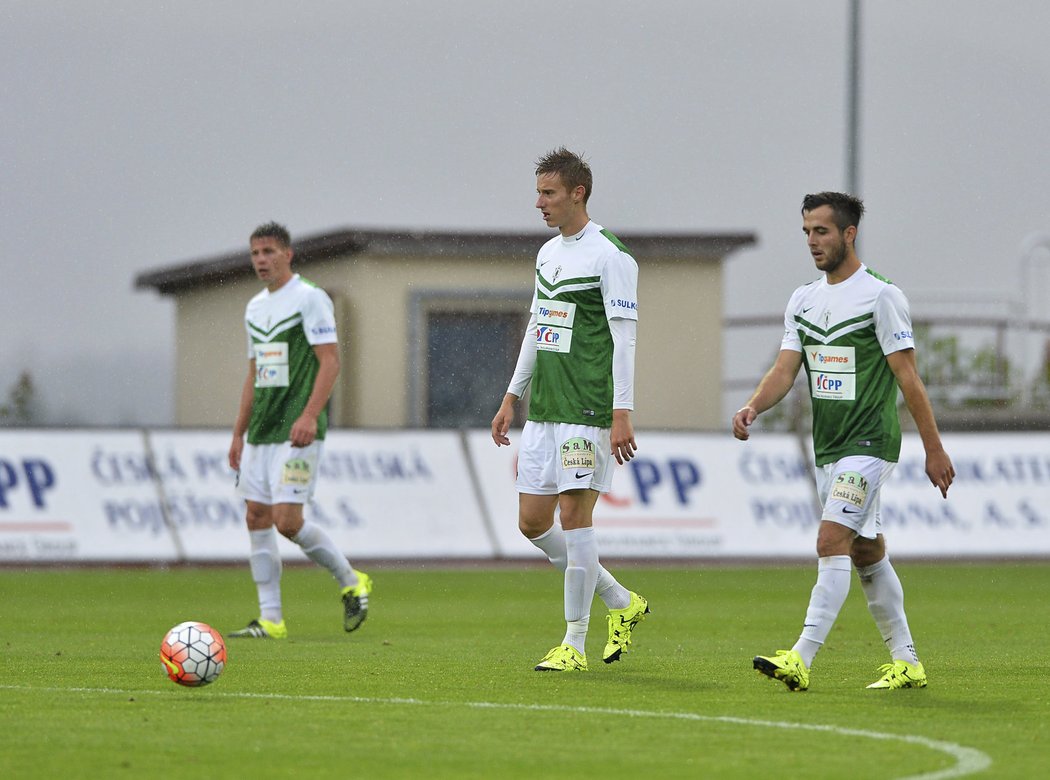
x,y
853,102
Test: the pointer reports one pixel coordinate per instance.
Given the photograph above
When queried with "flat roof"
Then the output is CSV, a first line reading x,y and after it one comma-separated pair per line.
x,y
427,244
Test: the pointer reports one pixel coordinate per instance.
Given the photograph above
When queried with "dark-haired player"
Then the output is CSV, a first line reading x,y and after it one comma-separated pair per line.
x,y
851,329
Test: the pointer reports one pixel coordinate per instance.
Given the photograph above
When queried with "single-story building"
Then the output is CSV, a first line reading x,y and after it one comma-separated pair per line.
x,y
431,323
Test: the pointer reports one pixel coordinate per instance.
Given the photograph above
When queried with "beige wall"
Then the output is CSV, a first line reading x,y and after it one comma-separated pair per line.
x,y
211,352
678,372
381,294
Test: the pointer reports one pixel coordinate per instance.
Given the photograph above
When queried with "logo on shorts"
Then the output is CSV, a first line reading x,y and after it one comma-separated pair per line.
x,y
577,453
851,487
296,472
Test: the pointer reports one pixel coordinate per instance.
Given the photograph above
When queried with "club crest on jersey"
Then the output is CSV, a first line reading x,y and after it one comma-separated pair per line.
x,y
557,273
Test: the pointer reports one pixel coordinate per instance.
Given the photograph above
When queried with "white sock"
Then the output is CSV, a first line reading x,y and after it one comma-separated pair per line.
x,y
265,563
885,596
828,596
320,549
552,542
581,575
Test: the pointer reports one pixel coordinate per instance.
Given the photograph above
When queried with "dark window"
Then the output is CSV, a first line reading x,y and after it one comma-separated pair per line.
x,y
470,359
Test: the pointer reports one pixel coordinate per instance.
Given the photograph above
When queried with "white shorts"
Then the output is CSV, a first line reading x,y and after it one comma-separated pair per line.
x,y
279,473
556,457
850,489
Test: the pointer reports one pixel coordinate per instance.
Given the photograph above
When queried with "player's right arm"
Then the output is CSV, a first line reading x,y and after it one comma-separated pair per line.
x,y
244,414
938,465
501,422
770,391
522,376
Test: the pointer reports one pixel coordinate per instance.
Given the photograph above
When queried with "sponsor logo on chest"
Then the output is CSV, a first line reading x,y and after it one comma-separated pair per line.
x,y
556,313
832,372
554,326
271,364
838,359
550,339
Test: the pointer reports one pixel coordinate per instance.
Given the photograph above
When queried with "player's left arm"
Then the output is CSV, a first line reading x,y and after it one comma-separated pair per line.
x,y
621,436
620,291
520,380
938,465
304,429
244,415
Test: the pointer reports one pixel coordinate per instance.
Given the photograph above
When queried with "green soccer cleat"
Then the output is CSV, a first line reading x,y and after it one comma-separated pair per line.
x,y
355,602
261,629
563,658
621,624
785,666
900,674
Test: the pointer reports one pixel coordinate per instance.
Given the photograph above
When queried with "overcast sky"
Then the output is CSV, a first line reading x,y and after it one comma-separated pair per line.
x,y
140,134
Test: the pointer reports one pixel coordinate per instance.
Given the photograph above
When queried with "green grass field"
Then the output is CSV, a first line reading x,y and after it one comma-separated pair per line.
x,y
439,682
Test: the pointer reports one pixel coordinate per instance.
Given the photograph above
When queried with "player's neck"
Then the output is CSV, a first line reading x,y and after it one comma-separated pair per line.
x,y
576,225
277,284
845,270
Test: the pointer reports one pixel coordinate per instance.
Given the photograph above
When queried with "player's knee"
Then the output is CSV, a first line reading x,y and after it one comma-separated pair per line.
x,y
289,530
867,552
833,543
288,518
576,509
825,549
532,527
257,516
573,520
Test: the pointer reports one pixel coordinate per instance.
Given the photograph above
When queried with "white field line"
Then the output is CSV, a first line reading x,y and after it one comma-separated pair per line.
x,y
967,760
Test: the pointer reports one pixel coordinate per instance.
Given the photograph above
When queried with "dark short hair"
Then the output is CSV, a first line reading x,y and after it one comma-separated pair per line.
x,y
574,172
275,231
846,209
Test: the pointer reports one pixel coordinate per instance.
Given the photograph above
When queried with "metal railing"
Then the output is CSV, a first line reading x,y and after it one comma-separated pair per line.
x,y
976,370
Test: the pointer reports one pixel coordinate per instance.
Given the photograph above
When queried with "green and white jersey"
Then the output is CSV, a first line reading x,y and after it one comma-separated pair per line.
x,y
582,282
844,332
282,328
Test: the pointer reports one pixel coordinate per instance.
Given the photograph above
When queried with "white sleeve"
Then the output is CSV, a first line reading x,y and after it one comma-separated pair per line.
x,y
624,334
790,339
620,286
526,360
893,321
251,344
319,318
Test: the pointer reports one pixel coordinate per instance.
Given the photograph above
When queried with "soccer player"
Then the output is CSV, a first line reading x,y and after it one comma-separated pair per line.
x,y
852,331
293,362
578,353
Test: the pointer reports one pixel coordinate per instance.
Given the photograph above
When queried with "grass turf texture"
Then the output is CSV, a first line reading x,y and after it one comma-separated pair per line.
x,y
82,693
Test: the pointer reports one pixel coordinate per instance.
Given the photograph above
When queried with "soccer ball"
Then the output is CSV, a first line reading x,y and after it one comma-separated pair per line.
x,y
193,654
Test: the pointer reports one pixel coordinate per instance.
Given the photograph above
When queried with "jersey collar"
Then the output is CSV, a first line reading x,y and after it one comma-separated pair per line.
x,y
573,239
